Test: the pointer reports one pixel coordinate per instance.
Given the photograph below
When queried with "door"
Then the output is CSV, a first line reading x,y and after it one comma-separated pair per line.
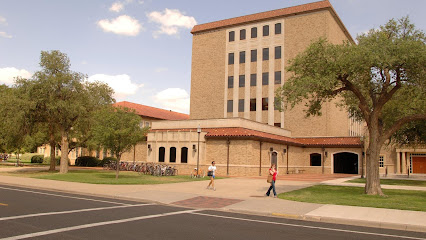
x,y
274,159
419,164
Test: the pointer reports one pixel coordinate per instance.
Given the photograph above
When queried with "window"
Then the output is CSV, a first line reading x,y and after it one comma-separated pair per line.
x,y
242,81
230,81
231,36
161,153
266,30
240,105
141,124
242,57
242,34
184,155
381,161
146,124
265,54
253,104
230,106
278,28
253,55
254,32
230,58
172,154
264,103
265,78
278,52
315,159
253,79
277,78
276,104
277,125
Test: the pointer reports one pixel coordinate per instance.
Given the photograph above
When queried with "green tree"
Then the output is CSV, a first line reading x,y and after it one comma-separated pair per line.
x,y
379,81
117,129
61,98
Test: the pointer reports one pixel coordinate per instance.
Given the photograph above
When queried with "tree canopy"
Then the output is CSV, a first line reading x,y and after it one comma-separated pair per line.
x,y
380,81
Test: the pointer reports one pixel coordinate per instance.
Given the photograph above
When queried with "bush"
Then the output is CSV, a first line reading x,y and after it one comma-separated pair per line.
x,y
37,159
107,160
47,160
87,161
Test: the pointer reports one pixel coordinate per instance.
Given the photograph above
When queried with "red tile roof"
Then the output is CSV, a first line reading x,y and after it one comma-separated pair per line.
x,y
153,112
243,133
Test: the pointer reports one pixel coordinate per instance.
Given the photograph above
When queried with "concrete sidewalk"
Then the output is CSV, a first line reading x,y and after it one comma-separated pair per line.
x,y
244,194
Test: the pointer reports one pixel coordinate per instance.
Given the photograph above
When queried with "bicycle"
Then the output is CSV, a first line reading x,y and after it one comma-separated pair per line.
x,y
199,173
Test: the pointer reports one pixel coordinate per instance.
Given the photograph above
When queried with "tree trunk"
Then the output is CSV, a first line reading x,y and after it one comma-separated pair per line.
x,y
118,166
372,184
52,152
64,153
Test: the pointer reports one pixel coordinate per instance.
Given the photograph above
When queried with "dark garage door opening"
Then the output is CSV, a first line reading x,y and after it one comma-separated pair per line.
x,y
346,163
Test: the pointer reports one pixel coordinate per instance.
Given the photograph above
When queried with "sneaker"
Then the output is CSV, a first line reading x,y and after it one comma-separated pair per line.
x,y
214,189
275,196
207,187
266,195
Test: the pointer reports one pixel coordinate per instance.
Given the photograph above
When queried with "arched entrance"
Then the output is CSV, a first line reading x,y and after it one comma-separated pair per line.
x,y
345,162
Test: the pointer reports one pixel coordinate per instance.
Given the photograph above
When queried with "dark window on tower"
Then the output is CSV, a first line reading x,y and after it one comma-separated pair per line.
x,y
265,54
242,34
242,57
278,77
253,79
264,103
242,81
277,125
231,58
253,104
231,36
172,154
278,28
184,155
266,30
254,32
265,78
230,106
278,52
161,153
254,55
315,159
230,81
240,105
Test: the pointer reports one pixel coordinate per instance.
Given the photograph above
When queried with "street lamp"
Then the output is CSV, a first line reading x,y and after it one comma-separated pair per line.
x,y
198,156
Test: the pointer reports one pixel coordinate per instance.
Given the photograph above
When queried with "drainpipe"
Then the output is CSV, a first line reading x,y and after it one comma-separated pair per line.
x,y
260,158
323,156
287,159
227,157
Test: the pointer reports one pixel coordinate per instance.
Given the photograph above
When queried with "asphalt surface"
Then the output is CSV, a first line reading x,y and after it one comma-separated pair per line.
x,y
38,214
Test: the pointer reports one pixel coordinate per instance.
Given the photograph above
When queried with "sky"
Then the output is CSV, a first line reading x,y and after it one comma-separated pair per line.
x,y
142,48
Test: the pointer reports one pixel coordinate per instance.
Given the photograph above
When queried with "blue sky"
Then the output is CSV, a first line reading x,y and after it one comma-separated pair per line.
x,y
142,48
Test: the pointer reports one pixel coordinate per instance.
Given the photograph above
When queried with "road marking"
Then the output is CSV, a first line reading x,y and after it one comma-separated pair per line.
x,y
59,230
71,211
64,196
3,204
313,227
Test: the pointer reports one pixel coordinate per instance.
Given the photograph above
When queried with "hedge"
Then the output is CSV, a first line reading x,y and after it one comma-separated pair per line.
x,y
87,161
37,159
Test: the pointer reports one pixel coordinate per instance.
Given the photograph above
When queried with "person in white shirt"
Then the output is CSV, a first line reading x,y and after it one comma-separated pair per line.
x,y
211,174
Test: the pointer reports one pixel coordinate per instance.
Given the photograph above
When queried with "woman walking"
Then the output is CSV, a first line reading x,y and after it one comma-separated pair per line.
x,y
211,173
272,172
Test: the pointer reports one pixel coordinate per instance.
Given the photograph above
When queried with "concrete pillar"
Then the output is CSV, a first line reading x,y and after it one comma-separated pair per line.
x,y
398,163
404,166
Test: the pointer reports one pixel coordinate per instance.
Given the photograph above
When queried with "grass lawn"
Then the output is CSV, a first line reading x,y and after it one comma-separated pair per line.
x,y
106,177
402,182
25,158
354,196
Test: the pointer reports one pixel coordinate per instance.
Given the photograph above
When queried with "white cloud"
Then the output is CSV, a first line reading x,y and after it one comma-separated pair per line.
x,y
176,99
5,35
121,84
170,21
161,69
122,25
3,21
116,7
8,74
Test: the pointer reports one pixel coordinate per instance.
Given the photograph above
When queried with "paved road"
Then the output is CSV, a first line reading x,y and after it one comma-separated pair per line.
x,y
37,214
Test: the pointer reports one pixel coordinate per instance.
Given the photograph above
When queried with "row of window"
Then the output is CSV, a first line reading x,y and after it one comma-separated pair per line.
x,y
230,105
172,157
253,79
253,55
253,32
